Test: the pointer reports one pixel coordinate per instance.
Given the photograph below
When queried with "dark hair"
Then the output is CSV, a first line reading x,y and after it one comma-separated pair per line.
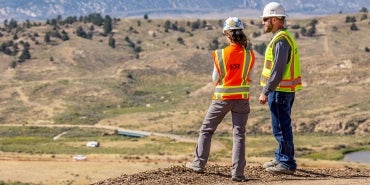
x,y
237,36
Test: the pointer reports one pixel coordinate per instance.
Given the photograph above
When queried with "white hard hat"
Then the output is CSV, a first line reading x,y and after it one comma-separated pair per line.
x,y
273,9
233,23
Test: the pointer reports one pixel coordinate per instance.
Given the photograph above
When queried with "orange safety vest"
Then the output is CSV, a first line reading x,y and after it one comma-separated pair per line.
x,y
233,64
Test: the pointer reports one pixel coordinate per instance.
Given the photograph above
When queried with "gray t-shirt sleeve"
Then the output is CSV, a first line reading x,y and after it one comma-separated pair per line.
x,y
281,54
215,76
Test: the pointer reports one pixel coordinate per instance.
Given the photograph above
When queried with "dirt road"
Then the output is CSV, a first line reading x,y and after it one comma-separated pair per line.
x,y
112,128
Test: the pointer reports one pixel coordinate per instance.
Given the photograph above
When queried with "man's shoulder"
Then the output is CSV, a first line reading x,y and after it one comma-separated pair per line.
x,y
284,37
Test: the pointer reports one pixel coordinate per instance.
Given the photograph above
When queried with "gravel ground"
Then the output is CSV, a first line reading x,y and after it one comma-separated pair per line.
x,y
216,174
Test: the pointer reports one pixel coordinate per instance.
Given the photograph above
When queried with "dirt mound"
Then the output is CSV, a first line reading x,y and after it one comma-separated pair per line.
x,y
216,174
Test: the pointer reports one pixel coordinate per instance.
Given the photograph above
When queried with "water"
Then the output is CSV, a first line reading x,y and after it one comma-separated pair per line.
x,y
361,157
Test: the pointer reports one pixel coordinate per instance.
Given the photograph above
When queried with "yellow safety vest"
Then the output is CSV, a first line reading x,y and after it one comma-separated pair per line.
x,y
291,81
233,64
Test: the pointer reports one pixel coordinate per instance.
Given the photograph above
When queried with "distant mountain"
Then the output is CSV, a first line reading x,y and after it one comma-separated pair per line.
x,y
46,9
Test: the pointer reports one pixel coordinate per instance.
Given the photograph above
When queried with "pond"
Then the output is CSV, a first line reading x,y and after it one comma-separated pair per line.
x,y
361,157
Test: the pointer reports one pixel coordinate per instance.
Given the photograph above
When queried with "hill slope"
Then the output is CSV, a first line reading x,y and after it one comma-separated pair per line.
x,y
157,79
155,70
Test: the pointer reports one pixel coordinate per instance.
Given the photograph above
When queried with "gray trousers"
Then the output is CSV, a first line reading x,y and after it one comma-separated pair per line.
x,y
217,111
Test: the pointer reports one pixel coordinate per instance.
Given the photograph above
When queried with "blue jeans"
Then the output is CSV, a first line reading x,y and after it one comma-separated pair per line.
x,y
280,104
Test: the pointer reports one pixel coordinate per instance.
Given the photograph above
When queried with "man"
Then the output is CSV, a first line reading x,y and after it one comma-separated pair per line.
x,y
231,77
281,78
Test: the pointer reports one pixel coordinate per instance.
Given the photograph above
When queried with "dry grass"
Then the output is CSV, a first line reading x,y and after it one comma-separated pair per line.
x,y
63,170
166,88
88,82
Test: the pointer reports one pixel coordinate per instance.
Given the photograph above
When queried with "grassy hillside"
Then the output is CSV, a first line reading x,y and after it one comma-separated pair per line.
x,y
159,74
157,79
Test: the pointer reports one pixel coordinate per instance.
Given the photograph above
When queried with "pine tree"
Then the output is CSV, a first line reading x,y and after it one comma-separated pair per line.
x,y
25,54
108,24
47,38
112,42
354,27
64,36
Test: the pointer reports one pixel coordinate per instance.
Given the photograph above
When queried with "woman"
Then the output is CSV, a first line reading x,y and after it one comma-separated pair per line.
x,y
231,77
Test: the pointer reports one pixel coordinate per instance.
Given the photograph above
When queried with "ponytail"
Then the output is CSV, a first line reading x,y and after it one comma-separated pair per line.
x,y
237,36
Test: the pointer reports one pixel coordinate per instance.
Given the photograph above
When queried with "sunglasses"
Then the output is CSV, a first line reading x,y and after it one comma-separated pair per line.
x,y
266,19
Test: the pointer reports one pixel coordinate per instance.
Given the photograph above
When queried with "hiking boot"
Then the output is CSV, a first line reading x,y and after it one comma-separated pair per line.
x,y
239,178
279,169
191,166
271,163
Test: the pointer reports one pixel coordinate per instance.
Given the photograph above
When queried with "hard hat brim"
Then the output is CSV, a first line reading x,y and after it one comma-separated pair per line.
x,y
276,15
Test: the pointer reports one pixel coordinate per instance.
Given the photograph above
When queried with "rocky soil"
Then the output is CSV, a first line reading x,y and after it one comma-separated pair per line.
x,y
216,174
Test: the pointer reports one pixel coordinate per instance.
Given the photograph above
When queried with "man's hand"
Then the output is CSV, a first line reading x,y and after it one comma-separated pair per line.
x,y
263,99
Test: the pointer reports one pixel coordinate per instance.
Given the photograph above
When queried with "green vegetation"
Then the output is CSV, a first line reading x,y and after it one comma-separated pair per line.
x,y
261,48
39,140
311,30
16,183
312,146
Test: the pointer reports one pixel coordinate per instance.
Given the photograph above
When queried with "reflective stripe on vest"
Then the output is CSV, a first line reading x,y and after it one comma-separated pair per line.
x,y
224,89
240,91
291,80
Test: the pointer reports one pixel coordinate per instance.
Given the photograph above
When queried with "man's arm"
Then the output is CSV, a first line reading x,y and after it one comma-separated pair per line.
x,y
281,54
